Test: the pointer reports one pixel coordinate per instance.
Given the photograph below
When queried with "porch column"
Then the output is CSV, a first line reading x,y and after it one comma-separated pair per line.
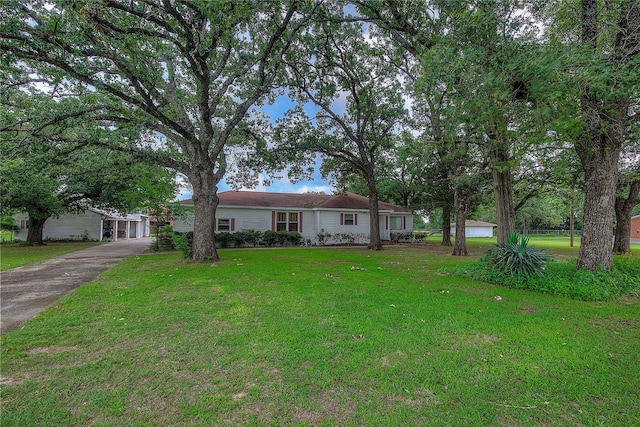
x,y
100,232
115,233
126,233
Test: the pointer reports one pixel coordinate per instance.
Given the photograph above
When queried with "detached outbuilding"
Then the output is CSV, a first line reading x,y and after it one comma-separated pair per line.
x,y
92,224
477,229
308,214
635,227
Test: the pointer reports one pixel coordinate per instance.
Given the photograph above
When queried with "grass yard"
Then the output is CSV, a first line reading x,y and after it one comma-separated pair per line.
x,y
16,254
322,337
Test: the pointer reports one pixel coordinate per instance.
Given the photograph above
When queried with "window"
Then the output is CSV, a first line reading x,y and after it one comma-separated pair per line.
x,y
287,221
293,221
224,224
348,219
281,221
396,223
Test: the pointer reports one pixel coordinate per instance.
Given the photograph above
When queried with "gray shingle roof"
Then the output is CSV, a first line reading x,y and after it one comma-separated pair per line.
x,y
348,201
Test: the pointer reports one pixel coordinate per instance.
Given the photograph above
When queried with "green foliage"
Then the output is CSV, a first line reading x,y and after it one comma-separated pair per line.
x,y
322,238
252,237
183,242
390,343
8,223
223,239
562,278
164,238
269,238
401,236
516,258
239,239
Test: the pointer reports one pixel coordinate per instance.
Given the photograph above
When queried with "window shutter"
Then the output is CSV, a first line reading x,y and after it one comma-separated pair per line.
x,y
341,219
23,224
404,222
300,222
233,224
273,220
355,219
386,222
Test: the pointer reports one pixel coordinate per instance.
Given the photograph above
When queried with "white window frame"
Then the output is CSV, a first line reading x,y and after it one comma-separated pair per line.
x,y
288,221
221,226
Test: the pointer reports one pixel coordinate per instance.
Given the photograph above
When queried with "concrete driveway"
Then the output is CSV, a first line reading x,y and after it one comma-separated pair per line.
x,y
26,291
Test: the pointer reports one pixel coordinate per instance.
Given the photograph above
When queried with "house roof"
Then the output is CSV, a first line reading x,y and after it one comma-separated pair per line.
x,y
112,215
471,223
348,201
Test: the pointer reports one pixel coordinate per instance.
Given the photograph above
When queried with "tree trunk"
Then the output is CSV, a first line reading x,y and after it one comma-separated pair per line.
x,y
599,199
375,242
624,209
605,125
461,203
446,225
205,202
502,192
36,227
572,223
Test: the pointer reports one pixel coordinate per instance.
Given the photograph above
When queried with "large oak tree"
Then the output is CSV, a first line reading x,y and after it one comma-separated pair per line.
x,y
187,72
359,105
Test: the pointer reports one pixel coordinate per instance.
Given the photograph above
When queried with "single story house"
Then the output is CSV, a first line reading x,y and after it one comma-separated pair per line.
x,y
92,224
308,214
476,229
635,227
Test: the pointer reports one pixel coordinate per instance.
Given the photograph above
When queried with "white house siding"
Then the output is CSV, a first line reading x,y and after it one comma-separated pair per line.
x,y
73,226
313,221
185,222
475,231
247,219
69,226
394,223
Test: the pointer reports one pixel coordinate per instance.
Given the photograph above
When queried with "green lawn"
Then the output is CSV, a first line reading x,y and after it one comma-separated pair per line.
x,y
16,254
320,336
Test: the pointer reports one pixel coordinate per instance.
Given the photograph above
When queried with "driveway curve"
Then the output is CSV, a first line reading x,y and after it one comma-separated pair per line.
x,y
26,291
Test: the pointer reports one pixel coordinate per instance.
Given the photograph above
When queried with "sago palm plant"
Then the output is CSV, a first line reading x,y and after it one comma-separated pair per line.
x,y
515,257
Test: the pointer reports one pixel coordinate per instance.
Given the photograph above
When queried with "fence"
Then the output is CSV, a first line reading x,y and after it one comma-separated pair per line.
x,y
551,232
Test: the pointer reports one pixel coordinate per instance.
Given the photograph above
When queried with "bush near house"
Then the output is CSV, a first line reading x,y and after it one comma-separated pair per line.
x,y
239,239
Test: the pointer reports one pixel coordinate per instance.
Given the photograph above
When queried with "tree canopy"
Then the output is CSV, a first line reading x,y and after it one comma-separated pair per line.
x,y
416,100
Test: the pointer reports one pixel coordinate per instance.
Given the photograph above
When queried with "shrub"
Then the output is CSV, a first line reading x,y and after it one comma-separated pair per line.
x,y
238,239
562,278
183,242
252,237
8,223
346,238
400,236
293,238
270,238
323,238
282,238
164,240
223,238
516,258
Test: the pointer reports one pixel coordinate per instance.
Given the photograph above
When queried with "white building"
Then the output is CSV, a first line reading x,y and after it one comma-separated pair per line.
x,y
92,224
308,214
476,229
